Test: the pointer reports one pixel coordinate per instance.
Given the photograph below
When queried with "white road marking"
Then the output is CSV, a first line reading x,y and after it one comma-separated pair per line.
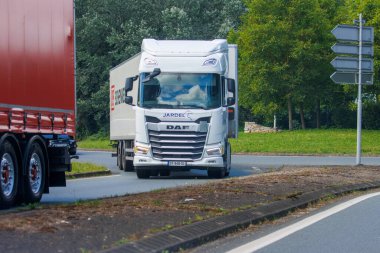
x,y
93,178
284,232
95,151
256,169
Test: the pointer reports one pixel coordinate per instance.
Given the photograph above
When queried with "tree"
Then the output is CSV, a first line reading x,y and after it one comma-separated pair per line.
x,y
284,48
370,10
111,31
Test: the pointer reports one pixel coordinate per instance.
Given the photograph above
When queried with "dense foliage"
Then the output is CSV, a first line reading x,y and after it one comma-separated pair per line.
x,y
284,54
285,66
111,31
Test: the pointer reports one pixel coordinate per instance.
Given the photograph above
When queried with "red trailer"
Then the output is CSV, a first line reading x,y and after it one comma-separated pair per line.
x,y
37,96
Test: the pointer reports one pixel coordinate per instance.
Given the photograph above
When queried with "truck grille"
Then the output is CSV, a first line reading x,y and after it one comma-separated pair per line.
x,y
177,145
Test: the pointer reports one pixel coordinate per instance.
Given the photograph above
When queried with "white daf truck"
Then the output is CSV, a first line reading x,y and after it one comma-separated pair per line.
x,y
174,106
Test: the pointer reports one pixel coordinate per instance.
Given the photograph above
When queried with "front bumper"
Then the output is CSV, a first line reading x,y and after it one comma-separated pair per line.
x,y
146,161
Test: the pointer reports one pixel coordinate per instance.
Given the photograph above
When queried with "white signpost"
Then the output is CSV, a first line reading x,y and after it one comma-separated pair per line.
x,y
340,48
352,70
343,63
351,77
351,33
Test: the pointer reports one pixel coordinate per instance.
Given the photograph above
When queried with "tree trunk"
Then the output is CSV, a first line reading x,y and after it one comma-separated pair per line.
x,y
290,114
302,114
318,112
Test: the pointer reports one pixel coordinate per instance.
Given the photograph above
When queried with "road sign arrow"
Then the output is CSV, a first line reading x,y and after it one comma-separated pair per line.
x,y
351,78
352,64
352,49
351,33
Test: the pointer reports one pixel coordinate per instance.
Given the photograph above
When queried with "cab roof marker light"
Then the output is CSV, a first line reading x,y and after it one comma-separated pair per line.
x,y
210,62
150,62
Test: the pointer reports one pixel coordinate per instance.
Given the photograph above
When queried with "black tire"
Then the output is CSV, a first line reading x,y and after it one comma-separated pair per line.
x,y
127,165
34,180
119,154
164,173
154,173
227,159
143,173
9,175
225,170
216,172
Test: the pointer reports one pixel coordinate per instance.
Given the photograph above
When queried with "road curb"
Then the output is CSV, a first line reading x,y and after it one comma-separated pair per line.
x,y
89,174
198,233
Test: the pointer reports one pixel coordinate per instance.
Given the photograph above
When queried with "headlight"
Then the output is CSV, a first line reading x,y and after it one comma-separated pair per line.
x,y
217,151
141,149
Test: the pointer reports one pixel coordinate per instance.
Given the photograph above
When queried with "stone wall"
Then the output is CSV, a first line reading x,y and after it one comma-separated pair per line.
x,y
252,127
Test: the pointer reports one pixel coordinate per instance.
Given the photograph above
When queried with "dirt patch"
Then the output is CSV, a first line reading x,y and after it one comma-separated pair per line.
x,y
96,225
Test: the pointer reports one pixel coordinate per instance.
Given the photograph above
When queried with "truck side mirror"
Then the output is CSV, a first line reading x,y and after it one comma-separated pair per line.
x,y
231,85
155,73
128,84
127,88
129,100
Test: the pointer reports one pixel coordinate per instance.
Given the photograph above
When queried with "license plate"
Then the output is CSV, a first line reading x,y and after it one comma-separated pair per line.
x,y
176,163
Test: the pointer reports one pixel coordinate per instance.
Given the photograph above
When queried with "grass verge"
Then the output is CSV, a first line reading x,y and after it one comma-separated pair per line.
x,y
326,141
84,168
96,143
315,141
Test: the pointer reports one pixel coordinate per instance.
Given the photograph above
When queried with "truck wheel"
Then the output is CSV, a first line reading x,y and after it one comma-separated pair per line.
x,y
164,173
119,154
126,165
227,159
216,172
154,173
9,175
143,173
34,181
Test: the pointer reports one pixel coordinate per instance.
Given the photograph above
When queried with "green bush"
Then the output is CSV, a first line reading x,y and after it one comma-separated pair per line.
x,y
371,116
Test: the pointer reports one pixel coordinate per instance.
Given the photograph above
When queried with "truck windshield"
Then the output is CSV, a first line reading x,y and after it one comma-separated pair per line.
x,y
180,91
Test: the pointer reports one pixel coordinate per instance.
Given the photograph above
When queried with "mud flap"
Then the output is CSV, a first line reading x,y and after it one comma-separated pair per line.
x,y
59,163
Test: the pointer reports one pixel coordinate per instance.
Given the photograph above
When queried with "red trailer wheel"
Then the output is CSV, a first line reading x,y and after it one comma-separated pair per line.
x,y
8,174
34,181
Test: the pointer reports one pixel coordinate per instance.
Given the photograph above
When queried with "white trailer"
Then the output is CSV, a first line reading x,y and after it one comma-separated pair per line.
x,y
174,107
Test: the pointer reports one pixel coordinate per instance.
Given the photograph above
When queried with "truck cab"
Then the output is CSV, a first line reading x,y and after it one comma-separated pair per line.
x,y
184,103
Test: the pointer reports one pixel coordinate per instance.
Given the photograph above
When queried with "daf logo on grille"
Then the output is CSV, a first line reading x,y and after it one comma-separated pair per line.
x,y
171,127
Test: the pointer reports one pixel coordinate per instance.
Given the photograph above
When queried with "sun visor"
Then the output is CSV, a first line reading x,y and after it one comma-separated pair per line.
x,y
215,63
188,48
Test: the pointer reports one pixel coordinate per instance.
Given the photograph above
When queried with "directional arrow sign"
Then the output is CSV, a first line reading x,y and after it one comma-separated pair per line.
x,y
352,64
351,33
351,77
352,49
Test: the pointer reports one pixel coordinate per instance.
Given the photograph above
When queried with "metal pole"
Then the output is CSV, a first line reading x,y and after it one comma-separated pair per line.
x,y
359,120
275,122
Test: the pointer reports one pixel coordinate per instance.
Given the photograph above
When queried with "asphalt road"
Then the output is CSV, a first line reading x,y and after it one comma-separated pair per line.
x,y
239,162
349,227
121,183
